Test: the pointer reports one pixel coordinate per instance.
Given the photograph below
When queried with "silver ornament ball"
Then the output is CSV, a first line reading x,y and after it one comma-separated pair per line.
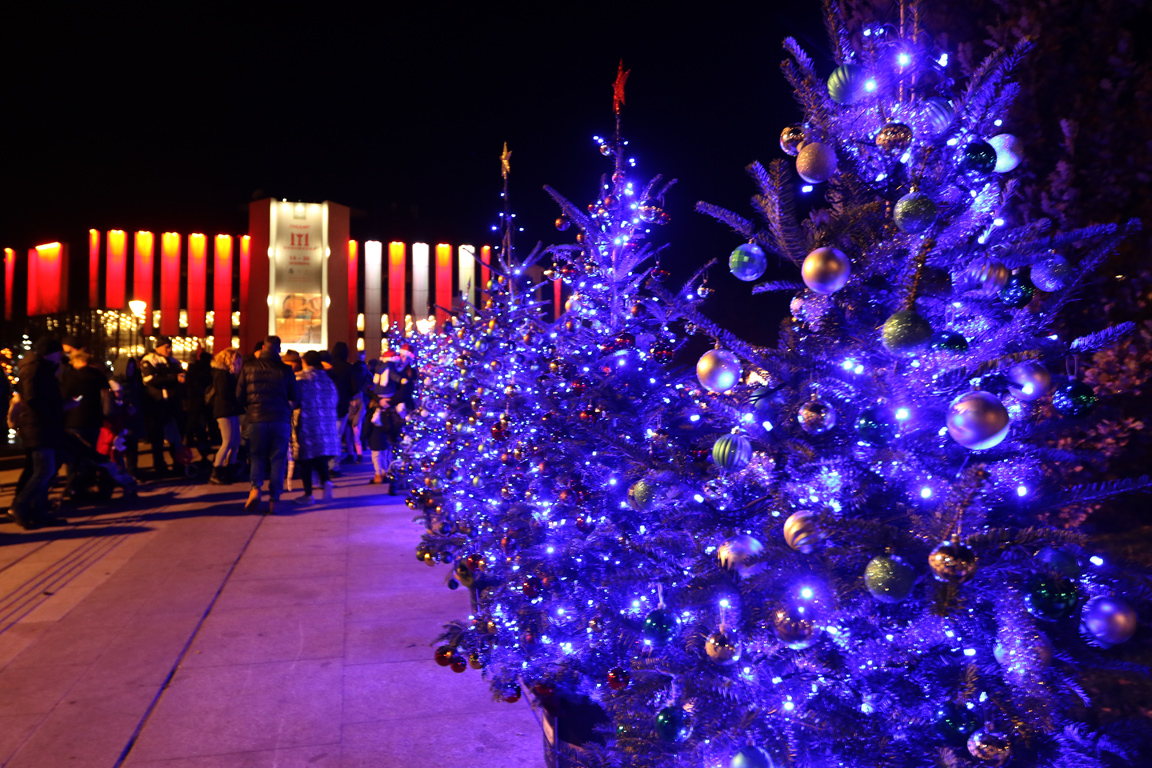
x,y
1029,380
1009,152
816,416
977,420
792,139
718,370
722,647
826,270
994,749
1108,619
1052,274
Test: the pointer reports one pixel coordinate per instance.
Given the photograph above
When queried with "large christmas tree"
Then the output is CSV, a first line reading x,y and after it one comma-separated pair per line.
x,y
875,568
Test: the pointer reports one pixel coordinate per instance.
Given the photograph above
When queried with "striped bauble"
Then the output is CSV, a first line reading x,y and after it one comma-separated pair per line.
x,y
732,452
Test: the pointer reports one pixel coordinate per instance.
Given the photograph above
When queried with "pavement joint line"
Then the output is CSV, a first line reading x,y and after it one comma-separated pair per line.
x,y
184,651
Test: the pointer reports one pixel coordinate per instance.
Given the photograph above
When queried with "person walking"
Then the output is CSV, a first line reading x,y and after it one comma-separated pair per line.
x,y
226,409
267,388
315,436
163,376
340,371
126,373
40,421
85,385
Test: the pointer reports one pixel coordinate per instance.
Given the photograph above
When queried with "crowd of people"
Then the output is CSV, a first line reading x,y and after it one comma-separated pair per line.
x,y
271,416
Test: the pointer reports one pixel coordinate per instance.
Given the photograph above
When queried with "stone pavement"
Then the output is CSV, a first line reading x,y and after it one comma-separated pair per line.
x,y
182,633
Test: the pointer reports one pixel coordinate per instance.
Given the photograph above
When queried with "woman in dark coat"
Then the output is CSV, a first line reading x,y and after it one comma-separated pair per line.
x,y
315,437
126,373
226,409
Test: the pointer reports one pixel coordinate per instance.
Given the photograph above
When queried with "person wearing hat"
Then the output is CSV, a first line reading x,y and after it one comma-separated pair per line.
x,y
163,376
40,422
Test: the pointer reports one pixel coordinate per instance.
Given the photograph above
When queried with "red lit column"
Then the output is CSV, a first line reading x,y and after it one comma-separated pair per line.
x,y
115,268
144,256
9,279
443,283
353,291
485,260
47,279
197,285
222,294
170,284
245,263
93,268
397,254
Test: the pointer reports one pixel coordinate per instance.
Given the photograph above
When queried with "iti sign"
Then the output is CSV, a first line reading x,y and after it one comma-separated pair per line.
x,y
297,294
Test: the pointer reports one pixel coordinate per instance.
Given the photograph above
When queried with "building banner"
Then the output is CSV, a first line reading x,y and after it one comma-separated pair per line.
x,y
298,274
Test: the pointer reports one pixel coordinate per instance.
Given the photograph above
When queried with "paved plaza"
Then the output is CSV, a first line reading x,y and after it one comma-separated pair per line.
x,y
180,632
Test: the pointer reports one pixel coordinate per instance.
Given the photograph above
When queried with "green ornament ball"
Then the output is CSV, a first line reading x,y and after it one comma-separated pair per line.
x,y
640,495
914,213
1059,562
748,262
954,723
1050,599
673,725
1074,399
889,579
948,341
660,627
905,332
732,452
876,425
847,84
977,157
1017,292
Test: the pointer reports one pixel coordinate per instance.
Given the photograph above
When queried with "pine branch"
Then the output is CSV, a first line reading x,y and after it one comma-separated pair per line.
x,y
837,32
1091,493
741,225
771,286
1109,337
775,201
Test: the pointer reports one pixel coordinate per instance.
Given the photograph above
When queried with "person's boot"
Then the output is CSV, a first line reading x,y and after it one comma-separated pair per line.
x,y
217,477
253,500
329,491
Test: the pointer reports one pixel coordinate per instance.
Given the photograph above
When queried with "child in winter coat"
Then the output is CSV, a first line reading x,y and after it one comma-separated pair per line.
x,y
385,427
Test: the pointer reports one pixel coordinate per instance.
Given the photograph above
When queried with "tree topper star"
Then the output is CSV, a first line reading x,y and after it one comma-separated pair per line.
x,y
618,87
505,160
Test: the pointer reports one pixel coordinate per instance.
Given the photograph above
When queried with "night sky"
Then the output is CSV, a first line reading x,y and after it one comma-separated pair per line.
x,y
174,119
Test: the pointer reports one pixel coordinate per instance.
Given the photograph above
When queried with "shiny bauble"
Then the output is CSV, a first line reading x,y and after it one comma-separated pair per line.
x,y
673,725
1074,399
640,495
1029,380
826,270
989,273
1108,619
747,262
977,420
816,162
734,554
475,660
732,452
993,749
846,84
948,341
801,531
618,678
662,352
876,425
752,757
443,655
722,647
791,139
718,370
1052,274
955,723
795,628
511,694
894,138
1017,292
660,627
976,157
606,149
889,579
464,574
562,222
649,211
914,213
1059,562
458,663
1009,152
952,562
906,332
1050,599
938,113
816,416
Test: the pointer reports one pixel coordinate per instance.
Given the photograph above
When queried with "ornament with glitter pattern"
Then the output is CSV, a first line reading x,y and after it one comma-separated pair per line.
x,y
816,162
914,213
894,138
1052,274
906,332
889,579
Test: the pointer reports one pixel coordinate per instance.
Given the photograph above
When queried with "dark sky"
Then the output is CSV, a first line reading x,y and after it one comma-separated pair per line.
x,y
167,117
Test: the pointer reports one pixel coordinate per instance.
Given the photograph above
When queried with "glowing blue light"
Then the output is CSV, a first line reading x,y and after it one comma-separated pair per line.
x,y
998,222
775,680
943,60
1021,490
789,706
953,142
998,123
807,593
867,33
858,369
869,85
747,417
724,603
881,176
969,651
767,425
847,364
551,550
806,188
904,158
903,414
694,417
866,708
1096,560
698,499
903,59
925,492
611,481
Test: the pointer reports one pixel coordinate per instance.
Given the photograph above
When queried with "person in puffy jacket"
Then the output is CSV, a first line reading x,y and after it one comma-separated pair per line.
x,y
267,389
315,435
227,410
163,377
40,422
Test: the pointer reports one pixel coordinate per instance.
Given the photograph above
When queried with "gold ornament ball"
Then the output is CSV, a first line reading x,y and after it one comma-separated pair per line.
x,y
977,420
795,628
792,139
993,749
905,332
722,647
894,138
952,562
826,270
734,554
816,162
801,532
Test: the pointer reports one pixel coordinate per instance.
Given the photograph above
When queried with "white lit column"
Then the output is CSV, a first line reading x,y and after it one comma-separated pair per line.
x,y
421,265
467,259
373,297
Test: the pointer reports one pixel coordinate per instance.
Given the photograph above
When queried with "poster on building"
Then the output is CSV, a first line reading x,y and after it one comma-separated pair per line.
x,y
298,274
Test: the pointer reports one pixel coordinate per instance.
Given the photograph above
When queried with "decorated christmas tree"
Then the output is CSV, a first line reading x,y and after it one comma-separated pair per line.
x,y
852,549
